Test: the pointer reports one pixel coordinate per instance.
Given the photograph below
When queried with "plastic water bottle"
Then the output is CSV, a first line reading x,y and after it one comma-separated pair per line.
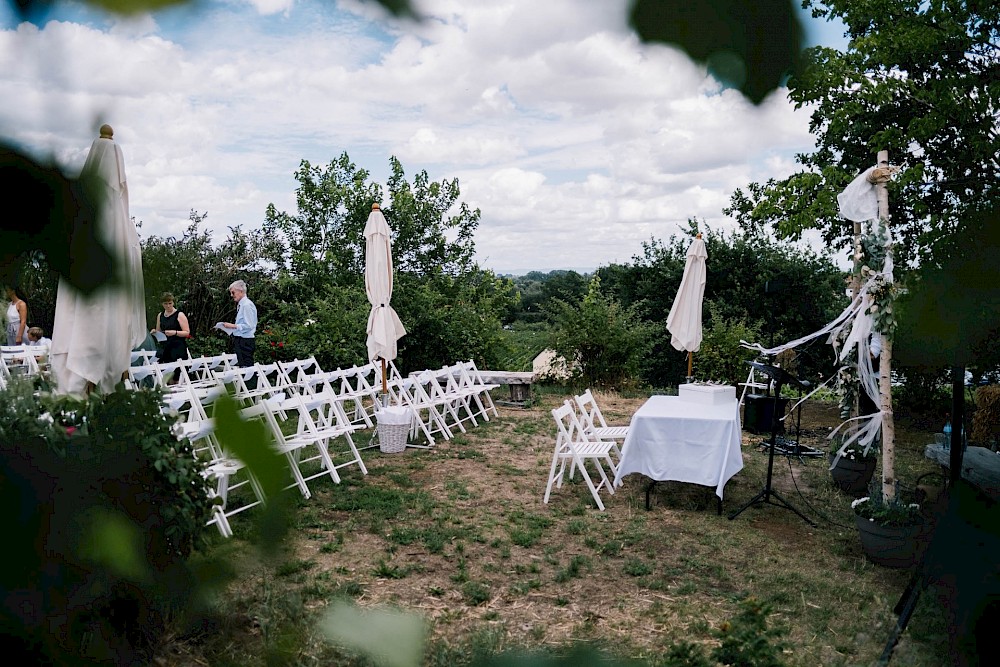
x,y
947,435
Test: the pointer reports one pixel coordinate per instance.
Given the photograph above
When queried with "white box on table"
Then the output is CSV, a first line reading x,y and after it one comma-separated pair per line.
x,y
707,394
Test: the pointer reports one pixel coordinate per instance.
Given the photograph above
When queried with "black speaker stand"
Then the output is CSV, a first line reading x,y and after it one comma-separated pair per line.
x,y
768,495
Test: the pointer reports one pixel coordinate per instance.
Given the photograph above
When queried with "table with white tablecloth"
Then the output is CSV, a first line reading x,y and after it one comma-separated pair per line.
x,y
671,439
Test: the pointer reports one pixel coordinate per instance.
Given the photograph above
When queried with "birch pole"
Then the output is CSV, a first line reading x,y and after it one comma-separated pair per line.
x,y
879,177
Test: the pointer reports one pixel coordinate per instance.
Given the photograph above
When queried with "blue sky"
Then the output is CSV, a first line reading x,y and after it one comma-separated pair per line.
x,y
576,141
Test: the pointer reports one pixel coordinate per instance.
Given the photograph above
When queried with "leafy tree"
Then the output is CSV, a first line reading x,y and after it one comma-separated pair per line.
x,y
721,357
450,307
537,289
918,79
773,288
198,273
604,341
324,240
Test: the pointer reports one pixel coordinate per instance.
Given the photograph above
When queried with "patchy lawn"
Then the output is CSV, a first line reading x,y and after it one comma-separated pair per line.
x,y
459,534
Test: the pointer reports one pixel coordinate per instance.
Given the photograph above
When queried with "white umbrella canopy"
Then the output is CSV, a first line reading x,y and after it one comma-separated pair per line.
x,y
93,334
384,327
684,321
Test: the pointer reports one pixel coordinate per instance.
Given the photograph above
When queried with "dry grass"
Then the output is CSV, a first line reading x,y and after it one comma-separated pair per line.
x,y
459,534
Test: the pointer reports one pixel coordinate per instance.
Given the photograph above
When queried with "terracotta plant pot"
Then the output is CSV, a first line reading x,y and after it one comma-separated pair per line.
x,y
853,475
891,546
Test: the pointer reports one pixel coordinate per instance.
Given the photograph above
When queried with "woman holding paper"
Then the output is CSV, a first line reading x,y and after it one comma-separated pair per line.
x,y
172,325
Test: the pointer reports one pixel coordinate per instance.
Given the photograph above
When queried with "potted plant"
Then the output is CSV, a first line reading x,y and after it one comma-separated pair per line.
x,y
890,530
854,468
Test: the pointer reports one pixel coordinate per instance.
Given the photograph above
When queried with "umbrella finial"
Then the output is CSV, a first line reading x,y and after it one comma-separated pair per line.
x,y
698,235
375,206
106,131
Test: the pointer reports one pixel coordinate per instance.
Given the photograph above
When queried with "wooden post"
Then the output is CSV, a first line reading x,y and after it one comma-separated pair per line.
x,y
885,357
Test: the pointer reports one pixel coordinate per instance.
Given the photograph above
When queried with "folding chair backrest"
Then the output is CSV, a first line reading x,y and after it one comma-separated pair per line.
x,y
298,370
19,359
143,357
590,413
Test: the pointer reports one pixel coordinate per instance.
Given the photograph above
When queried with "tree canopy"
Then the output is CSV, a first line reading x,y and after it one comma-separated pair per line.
x,y
753,282
920,79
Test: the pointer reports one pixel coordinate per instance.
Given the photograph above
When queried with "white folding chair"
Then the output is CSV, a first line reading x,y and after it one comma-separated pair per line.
x,y
594,424
355,398
427,417
256,383
192,404
575,447
472,382
265,412
299,371
475,379
19,359
143,357
446,387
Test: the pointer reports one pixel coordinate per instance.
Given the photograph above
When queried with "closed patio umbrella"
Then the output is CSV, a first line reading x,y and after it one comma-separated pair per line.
x,y
384,327
684,321
93,334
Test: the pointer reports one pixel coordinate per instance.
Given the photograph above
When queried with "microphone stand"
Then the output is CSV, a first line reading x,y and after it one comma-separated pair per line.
x,y
768,495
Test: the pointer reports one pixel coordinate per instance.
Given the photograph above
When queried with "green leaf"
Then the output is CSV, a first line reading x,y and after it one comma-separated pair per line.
x,y
389,637
751,45
112,540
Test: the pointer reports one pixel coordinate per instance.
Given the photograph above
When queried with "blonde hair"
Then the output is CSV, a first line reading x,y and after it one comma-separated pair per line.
x,y
36,333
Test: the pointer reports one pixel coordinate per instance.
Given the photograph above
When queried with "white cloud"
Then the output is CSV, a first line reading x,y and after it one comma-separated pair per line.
x,y
577,142
269,7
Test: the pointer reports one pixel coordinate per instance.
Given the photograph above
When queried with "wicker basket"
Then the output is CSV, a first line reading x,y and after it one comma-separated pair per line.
x,y
393,428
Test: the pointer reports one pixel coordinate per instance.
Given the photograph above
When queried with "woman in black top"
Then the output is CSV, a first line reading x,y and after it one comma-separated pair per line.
x,y
173,324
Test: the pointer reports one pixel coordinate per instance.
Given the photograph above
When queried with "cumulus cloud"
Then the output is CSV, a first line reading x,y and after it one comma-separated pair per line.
x,y
576,141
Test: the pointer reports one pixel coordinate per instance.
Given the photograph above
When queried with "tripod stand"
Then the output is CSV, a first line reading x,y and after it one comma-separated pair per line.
x,y
789,447
767,494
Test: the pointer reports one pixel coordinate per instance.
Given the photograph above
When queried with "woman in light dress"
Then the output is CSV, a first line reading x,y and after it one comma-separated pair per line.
x,y
17,317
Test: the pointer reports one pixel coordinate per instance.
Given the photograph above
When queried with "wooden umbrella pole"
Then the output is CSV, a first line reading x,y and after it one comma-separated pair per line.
x,y
690,362
385,386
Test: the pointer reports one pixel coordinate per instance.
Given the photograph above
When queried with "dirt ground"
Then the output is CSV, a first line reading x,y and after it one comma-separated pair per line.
x,y
458,534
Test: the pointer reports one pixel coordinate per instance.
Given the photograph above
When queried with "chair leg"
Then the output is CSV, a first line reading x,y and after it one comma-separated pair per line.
x,y
552,475
590,483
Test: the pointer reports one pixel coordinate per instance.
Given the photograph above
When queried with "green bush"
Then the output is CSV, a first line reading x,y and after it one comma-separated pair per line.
x,y
721,357
102,506
605,342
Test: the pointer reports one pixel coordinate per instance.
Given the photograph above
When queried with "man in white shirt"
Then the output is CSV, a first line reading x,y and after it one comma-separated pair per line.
x,y
245,325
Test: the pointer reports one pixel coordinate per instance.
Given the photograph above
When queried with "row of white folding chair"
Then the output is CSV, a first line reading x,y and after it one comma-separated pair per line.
x,y
182,371
574,446
316,408
225,472
21,359
464,386
474,378
428,413
445,387
442,401
354,388
319,421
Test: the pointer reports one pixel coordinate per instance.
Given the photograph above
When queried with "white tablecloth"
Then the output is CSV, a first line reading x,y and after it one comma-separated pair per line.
x,y
674,440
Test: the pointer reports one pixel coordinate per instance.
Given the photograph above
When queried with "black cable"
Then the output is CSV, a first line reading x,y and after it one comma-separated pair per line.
x,y
808,504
